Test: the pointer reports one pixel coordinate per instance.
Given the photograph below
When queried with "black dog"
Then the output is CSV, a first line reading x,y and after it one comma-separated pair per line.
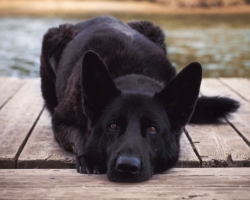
x,y
116,100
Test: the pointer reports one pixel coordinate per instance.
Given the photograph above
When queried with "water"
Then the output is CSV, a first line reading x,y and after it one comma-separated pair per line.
x,y
221,46
20,45
222,51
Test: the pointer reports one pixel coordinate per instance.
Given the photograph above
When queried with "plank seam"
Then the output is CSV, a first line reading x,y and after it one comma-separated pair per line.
x,y
228,120
193,146
26,139
228,86
21,85
238,132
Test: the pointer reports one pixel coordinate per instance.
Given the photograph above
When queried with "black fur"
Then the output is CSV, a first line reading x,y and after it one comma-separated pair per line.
x,y
152,32
115,99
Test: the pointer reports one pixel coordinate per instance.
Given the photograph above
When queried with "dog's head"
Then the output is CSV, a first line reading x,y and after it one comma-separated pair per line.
x,y
134,135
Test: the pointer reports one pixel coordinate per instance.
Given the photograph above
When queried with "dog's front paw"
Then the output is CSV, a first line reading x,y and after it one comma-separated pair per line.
x,y
83,166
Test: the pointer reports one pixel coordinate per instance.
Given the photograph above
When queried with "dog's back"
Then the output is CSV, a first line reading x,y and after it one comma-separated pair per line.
x,y
123,49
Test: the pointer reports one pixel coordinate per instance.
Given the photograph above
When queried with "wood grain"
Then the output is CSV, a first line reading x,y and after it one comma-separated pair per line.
x,y
240,86
220,145
16,120
239,120
136,192
187,155
8,87
233,183
42,150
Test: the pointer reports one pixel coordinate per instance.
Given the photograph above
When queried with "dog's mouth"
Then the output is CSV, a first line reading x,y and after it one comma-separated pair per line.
x,y
128,169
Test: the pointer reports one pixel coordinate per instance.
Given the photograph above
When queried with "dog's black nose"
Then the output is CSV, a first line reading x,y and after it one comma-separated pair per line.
x,y
128,165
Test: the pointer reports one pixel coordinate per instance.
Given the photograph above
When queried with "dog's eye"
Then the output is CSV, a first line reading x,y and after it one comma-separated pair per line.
x,y
152,130
113,127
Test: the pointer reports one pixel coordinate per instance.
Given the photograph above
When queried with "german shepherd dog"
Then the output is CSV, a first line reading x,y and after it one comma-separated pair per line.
x,y
115,99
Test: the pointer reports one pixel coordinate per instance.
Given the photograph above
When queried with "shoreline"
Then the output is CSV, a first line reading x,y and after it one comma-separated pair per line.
x,y
67,8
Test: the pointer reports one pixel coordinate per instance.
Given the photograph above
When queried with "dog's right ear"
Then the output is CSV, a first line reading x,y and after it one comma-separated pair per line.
x,y
98,88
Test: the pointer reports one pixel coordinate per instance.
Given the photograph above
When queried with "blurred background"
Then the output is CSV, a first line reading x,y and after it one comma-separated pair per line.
x,y
215,33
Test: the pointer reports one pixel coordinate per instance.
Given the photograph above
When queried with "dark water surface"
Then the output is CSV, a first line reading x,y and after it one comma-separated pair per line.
x,y
220,43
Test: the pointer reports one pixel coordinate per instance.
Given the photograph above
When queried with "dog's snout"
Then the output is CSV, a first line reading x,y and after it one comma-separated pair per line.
x,y
128,165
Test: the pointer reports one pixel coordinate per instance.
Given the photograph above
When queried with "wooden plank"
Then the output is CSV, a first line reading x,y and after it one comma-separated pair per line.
x,y
42,150
240,86
239,120
219,146
16,120
190,183
187,155
135,192
182,172
8,87
2,81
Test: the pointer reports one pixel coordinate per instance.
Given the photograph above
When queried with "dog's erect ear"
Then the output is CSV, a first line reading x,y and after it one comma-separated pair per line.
x,y
97,86
180,95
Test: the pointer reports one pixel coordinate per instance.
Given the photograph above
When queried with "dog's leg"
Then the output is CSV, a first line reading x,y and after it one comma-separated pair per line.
x,y
72,138
151,31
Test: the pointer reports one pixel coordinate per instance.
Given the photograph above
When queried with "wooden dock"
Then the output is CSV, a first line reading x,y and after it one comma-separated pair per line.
x,y
33,166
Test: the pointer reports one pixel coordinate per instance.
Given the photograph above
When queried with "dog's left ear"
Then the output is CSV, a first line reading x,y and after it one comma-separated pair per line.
x,y
180,95
97,86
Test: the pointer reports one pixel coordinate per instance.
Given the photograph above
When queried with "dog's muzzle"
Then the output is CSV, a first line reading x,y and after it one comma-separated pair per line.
x,y
128,165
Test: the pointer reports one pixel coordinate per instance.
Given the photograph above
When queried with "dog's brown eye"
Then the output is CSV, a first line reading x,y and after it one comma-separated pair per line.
x,y
113,127
152,130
